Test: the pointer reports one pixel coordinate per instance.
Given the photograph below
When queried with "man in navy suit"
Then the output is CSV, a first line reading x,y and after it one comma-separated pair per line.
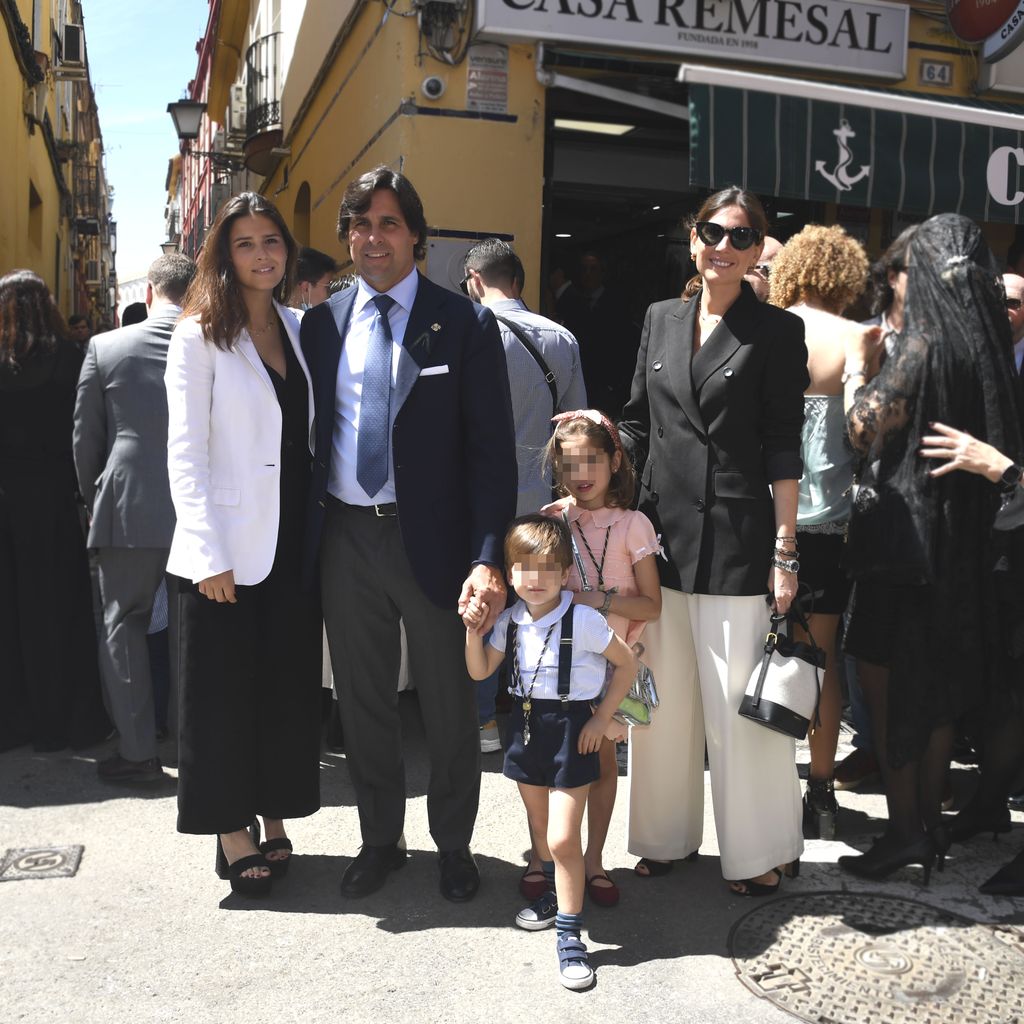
x,y
414,483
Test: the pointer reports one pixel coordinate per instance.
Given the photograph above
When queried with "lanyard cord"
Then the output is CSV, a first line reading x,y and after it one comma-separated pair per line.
x,y
517,669
599,566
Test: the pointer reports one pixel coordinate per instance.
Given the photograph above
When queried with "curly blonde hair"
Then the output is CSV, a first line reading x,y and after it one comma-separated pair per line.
x,y
821,265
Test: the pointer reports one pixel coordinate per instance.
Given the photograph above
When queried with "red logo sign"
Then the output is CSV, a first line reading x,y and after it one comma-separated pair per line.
x,y
975,20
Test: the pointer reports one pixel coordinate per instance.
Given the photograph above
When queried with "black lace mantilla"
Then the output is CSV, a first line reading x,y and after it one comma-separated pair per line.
x,y
952,364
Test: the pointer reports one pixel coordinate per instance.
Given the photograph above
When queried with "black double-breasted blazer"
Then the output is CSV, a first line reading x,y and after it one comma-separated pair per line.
x,y
710,431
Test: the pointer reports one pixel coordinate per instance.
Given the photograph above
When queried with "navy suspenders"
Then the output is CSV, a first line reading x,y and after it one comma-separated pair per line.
x,y
564,651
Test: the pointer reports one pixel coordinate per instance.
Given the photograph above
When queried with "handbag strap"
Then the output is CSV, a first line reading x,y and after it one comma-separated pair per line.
x,y
564,652
549,376
770,642
796,613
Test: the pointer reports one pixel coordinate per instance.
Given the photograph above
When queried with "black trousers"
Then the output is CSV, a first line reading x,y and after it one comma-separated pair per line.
x,y
249,703
368,586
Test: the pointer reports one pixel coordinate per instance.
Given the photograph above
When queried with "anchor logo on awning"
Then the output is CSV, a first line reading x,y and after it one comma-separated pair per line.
x,y
838,176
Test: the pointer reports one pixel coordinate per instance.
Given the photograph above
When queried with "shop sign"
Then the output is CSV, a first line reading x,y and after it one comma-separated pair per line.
x,y
975,20
853,36
1007,36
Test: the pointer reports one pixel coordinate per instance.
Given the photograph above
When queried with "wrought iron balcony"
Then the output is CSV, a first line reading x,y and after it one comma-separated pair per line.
x,y
263,103
87,197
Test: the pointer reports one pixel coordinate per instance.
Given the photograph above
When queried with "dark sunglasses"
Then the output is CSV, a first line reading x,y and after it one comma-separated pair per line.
x,y
764,269
464,285
711,233
1013,303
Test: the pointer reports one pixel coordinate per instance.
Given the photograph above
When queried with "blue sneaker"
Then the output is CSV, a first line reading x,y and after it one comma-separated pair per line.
x,y
540,914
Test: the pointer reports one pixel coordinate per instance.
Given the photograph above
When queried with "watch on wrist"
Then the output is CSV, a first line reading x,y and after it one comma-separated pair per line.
x,y
786,564
1011,476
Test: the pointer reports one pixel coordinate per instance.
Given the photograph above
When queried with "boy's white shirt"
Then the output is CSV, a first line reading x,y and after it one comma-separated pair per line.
x,y
590,638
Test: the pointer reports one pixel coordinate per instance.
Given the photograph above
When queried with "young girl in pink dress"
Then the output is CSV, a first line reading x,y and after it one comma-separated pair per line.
x,y
617,547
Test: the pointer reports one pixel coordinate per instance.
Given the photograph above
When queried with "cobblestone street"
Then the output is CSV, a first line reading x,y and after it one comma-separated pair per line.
x,y
146,932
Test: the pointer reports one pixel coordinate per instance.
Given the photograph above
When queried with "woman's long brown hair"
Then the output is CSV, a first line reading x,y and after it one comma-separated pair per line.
x,y
214,295
732,196
29,318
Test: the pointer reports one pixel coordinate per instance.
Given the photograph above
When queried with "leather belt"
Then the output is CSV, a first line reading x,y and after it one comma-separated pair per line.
x,y
388,510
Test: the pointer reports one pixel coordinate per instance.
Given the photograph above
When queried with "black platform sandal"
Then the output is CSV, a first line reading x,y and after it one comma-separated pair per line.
x,y
234,873
278,868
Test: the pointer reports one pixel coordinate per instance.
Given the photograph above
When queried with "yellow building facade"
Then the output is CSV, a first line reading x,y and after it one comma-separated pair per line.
x,y
565,129
55,206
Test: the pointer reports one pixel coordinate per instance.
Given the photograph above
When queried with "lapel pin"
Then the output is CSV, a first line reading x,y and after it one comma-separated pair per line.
x,y
435,327
727,372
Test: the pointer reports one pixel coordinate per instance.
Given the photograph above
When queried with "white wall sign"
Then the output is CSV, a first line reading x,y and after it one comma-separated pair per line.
x,y
855,36
1002,43
487,78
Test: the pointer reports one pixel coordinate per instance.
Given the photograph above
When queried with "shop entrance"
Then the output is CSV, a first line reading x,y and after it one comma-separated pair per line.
x,y
616,208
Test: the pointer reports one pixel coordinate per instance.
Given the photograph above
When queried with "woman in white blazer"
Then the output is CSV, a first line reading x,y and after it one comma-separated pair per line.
x,y
240,414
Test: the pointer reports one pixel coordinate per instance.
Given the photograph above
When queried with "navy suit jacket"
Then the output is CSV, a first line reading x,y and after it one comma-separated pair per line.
x,y
453,440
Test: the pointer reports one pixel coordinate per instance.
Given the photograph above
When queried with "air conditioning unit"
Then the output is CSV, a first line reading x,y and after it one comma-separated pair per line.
x,y
74,45
92,272
225,143
235,119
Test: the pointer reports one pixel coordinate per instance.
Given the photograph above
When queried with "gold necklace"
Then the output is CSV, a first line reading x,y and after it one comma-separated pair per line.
x,y
261,330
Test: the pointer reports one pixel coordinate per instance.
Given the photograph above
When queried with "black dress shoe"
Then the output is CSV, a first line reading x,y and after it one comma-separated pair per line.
x,y
118,769
460,877
368,872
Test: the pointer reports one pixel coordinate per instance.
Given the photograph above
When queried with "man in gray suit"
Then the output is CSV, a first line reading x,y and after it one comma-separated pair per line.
x,y
120,446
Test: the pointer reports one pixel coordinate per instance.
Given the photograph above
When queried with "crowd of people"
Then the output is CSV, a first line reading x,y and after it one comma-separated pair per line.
x,y
379,462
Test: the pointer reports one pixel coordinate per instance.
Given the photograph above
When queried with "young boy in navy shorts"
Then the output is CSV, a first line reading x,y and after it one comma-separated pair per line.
x,y
560,653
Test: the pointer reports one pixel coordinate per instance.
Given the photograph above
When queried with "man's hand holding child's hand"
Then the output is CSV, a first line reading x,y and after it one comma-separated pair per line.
x,y
475,615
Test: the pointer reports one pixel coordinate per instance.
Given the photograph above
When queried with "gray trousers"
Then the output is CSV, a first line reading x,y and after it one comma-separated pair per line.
x,y
367,587
129,579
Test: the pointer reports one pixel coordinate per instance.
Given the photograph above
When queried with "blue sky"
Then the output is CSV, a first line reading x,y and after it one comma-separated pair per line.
x,y
141,57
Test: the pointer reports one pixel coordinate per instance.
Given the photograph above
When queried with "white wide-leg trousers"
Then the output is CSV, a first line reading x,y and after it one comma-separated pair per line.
x,y
702,651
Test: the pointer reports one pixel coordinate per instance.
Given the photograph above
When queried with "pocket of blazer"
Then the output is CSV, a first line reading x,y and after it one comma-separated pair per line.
x,y
429,371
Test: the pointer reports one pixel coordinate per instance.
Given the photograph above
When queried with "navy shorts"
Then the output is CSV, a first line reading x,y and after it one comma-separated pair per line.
x,y
552,758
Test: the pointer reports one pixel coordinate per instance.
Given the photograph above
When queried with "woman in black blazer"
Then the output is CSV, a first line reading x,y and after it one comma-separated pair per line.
x,y
714,419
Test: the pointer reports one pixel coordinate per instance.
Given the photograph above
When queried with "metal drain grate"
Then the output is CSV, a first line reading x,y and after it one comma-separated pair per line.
x,y
848,958
40,862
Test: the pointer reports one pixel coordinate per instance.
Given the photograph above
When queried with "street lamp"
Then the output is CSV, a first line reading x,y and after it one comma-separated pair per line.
x,y
186,115
169,247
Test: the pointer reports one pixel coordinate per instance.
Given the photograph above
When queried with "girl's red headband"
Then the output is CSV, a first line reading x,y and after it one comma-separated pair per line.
x,y
594,416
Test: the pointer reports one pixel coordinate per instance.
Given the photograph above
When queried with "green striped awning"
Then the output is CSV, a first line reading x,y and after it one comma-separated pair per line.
x,y
857,153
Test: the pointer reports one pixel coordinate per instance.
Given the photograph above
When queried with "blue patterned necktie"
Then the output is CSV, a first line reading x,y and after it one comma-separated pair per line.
x,y
375,404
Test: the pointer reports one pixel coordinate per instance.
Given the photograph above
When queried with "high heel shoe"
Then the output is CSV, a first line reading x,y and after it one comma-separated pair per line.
x,y
973,820
820,809
278,868
888,855
752,888
941,842
233,873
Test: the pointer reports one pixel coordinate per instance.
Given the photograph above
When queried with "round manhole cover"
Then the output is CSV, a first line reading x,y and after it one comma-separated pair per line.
x,y
847,958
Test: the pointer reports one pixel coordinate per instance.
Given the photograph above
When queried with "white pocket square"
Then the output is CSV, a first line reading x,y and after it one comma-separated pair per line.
x,y
428,370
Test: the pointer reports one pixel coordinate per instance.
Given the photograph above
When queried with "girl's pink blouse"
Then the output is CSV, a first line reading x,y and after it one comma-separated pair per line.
x,y
632,538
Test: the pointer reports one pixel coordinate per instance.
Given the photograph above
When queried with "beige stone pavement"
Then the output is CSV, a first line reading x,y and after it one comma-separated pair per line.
x,y
147,933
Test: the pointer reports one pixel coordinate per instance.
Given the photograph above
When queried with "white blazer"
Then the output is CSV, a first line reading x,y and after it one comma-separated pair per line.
x,y
224,453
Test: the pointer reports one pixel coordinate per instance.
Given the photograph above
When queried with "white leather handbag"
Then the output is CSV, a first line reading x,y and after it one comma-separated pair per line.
x,y
785,689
